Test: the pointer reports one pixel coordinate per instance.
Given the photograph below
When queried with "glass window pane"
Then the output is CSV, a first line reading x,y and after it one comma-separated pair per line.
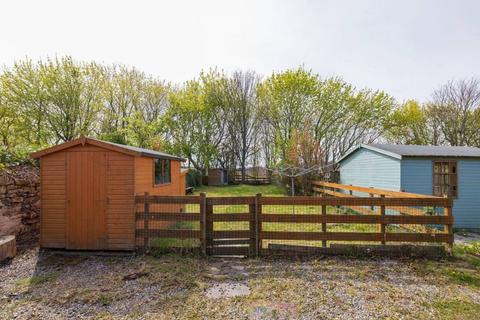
x,y
445,167
167,176
158,171
445,190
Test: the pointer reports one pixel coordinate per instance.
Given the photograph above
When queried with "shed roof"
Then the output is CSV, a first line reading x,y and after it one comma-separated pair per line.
x,y
135,151
399,151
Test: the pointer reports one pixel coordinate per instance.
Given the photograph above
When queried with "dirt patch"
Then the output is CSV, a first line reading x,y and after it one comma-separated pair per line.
x,y
227,290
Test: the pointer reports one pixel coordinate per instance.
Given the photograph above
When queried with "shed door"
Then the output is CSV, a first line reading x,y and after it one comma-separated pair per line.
x,y
86,200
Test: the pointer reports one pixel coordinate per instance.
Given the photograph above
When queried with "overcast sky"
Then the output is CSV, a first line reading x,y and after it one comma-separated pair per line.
x,y
407,48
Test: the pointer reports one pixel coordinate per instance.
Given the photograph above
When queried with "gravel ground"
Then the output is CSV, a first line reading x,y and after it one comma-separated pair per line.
x,y
466,237
42,285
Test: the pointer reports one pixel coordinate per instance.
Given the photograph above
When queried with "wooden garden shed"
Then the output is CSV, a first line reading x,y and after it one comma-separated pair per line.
x,y
452,171
88,190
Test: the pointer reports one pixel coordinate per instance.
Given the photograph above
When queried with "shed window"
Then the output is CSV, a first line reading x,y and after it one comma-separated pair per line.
x,y
162,171
445,178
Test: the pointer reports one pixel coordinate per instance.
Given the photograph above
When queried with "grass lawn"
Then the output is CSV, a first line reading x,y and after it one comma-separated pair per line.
x,y
241,190
274,190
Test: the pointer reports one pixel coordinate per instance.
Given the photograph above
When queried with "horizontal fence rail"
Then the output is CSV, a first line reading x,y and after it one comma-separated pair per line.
x,y
338,190
367,190
256,225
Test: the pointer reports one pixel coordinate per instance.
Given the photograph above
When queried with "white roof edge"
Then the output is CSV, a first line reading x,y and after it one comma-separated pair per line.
x,y
366,146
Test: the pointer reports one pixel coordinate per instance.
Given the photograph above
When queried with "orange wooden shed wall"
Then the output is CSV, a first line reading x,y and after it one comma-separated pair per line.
x,y
67,190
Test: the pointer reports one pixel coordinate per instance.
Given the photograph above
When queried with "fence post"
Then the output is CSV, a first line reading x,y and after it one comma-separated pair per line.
x,y
252,210
372,196
382,226
208,226
203,222
258,223
146,211
448,228
324,224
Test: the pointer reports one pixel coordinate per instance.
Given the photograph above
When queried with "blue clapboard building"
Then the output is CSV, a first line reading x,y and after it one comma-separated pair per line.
x,y
432,170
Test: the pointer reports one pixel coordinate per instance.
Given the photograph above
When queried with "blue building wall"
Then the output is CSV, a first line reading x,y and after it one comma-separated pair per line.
x,y
466,207
372,169
417,177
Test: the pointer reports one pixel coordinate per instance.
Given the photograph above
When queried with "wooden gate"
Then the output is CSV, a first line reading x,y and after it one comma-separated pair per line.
x,y
230,226
86,200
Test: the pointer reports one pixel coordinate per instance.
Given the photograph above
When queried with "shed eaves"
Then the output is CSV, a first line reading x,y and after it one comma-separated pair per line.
x,y
399,151
145,152
106,144
427,151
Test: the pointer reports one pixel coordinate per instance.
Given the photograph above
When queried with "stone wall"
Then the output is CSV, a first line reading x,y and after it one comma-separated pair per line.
x,y
20,202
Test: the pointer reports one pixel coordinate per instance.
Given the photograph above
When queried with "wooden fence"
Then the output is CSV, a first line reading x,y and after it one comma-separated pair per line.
x,y
347,191
249,179
255,225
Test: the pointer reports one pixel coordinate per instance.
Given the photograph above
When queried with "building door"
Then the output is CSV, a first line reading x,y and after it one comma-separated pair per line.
x,y
86,200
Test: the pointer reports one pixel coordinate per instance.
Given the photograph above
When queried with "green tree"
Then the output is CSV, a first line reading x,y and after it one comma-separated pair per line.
x,y
73,93
409,125
286,100
24,104
194,121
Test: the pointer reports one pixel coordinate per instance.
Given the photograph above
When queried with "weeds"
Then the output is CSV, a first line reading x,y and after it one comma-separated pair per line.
x,y
456,309
462,277
35,280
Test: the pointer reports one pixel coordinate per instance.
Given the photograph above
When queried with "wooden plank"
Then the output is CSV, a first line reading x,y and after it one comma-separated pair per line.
x,y
168,199
419,237
125,237
312,236
357,201
230,200
203,222
208,233
324,224
181,234
401,210
252,228
230,217
396,250
383,225
231,234
449,227
220,242
258,223
168,216
356,236
345,200
364,219
375,191
343,195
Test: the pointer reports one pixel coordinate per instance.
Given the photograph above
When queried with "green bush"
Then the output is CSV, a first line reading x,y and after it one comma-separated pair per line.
x,y
194,178
14,156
